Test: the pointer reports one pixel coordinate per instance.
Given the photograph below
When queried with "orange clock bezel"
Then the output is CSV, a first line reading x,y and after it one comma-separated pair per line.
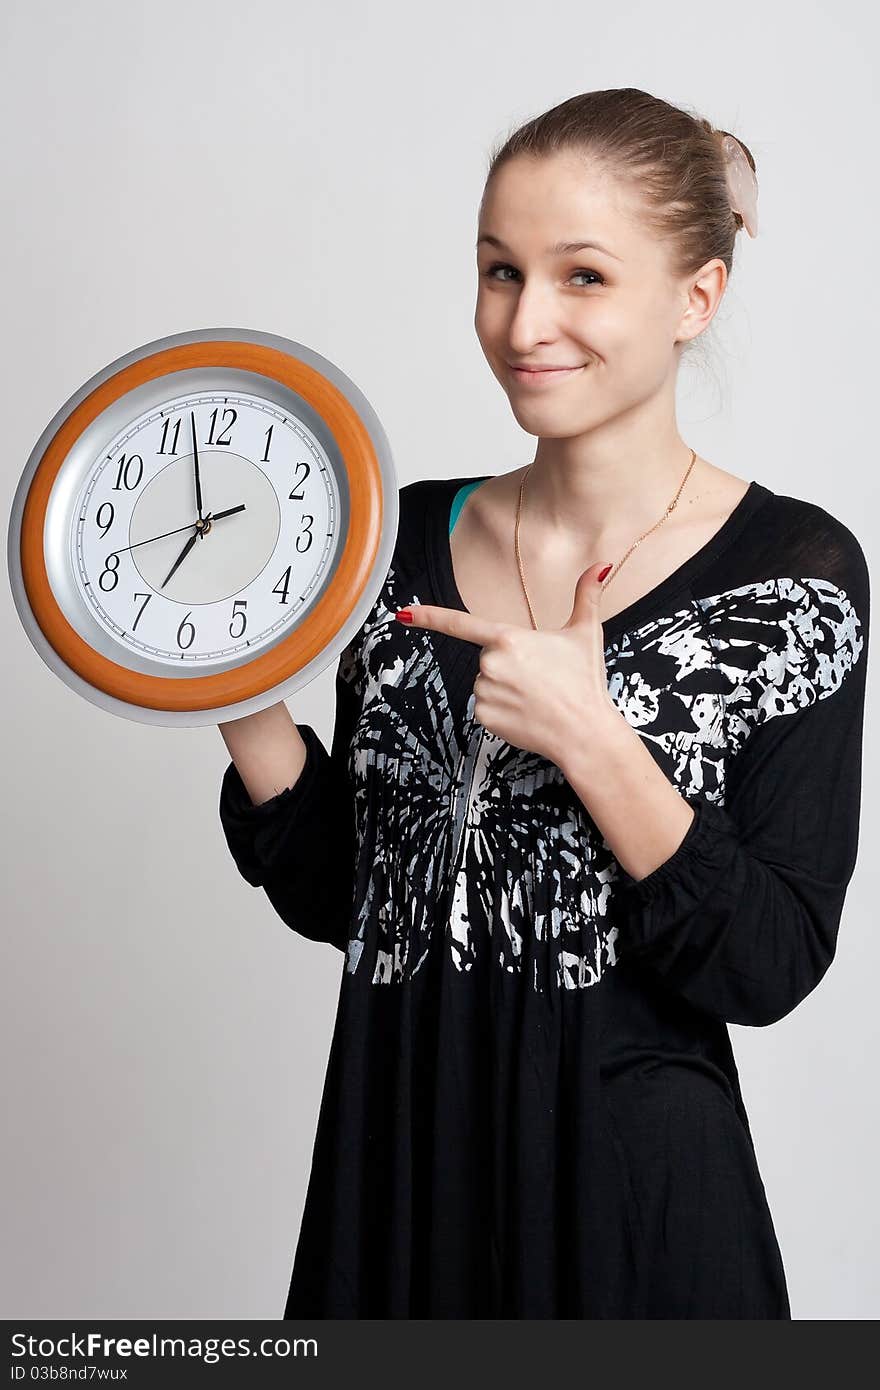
x,y
329,613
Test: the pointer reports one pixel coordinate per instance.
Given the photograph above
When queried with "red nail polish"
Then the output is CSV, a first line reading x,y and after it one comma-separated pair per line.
x,y
404,615
602,573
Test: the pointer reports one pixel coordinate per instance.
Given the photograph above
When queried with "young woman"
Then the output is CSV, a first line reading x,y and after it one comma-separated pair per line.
x,y
597,799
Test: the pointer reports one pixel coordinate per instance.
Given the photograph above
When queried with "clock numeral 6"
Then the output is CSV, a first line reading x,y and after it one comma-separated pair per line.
x,y
185,646
240,614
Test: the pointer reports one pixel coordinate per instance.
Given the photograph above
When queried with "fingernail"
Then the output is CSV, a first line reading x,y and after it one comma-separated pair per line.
x,y
602,573
404,614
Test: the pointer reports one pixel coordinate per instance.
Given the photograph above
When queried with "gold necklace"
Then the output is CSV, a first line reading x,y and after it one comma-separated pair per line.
x,y
608,580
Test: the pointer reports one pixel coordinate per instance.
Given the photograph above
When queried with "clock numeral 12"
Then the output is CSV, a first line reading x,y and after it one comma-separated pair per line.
x,y
227,410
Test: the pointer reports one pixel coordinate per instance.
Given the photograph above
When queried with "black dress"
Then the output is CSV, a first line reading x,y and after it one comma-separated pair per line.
x,y
531,1106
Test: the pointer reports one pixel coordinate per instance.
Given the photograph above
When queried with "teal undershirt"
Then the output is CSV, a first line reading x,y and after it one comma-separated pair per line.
x,y
459,500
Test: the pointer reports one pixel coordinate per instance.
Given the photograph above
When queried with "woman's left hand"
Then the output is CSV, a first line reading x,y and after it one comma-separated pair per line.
x,y
542,691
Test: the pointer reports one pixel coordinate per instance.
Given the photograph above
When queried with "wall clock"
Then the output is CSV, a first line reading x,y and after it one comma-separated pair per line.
x,y
202,527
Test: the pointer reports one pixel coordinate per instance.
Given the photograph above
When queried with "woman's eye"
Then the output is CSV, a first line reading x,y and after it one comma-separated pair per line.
x,y
499,265
490,273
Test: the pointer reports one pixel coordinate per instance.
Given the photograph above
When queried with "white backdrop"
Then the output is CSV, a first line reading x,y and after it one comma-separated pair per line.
x,y
315,171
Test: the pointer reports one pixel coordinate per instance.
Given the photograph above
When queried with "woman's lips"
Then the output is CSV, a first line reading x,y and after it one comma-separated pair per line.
x,y
545,377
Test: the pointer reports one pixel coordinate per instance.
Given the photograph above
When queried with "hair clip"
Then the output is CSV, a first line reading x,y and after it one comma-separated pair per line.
x,y
742,185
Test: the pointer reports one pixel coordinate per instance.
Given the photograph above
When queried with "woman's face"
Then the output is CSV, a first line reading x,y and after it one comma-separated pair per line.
x,y
613,315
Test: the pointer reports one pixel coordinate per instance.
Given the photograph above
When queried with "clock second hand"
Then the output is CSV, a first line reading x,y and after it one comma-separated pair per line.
x,y
214,516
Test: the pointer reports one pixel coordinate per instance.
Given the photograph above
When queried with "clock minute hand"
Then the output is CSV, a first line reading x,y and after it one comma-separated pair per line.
x,y
192,418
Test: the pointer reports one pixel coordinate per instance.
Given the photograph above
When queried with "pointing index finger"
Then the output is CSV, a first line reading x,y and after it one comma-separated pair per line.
x,y
453,621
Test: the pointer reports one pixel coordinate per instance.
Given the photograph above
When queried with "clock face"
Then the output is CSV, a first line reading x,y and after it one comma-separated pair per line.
x,y
182,580
203,526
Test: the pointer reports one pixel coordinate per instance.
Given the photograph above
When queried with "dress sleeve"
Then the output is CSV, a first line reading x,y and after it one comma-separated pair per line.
x,y
742,919
299,846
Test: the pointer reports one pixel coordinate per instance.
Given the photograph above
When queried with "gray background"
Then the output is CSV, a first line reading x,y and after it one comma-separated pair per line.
x,y
315,172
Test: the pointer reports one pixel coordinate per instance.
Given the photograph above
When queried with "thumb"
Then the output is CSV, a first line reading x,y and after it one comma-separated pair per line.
x,y
587,593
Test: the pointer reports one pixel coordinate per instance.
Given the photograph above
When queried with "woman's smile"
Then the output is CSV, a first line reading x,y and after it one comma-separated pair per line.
x,y
545,376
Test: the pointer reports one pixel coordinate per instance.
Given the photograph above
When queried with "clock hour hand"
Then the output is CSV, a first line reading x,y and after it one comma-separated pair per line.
x,y
186,549
230,511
